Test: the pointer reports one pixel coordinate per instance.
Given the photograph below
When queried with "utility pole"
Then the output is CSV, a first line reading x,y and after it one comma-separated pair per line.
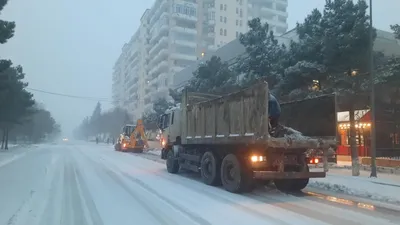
x,y
373,107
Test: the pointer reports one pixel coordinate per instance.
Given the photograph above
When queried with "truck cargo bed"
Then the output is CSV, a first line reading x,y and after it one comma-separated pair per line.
x,y
237,118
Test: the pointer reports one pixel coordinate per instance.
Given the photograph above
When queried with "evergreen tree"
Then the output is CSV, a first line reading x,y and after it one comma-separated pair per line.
x,y
264,58
7,29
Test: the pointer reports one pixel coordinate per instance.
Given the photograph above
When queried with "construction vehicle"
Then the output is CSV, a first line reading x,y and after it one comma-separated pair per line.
x,y
227,139
132,138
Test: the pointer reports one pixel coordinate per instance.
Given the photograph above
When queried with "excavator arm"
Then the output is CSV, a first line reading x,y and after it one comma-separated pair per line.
x,y
138,130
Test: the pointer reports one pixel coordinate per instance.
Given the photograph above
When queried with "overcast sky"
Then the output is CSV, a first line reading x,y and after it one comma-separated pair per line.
x,y
70,46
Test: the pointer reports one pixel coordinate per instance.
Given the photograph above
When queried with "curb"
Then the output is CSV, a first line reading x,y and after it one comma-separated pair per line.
x,y
380,169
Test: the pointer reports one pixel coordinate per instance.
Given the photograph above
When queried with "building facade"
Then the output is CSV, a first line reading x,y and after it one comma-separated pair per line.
x,y
176,34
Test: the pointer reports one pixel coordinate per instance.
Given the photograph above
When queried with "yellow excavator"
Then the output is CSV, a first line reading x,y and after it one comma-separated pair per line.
x,y
132,138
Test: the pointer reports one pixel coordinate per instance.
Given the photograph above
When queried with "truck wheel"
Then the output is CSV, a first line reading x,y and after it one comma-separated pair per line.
x,y
163,153
117,147
172,163
236,176
292,185
210,169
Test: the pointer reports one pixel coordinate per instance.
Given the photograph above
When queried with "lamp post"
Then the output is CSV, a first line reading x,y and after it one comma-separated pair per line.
x,y
373,108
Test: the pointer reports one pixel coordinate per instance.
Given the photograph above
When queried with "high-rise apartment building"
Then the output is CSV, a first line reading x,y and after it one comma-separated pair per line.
x,y
174,34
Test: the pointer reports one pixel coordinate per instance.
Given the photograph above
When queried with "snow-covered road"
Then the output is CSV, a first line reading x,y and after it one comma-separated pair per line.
x,y
79,184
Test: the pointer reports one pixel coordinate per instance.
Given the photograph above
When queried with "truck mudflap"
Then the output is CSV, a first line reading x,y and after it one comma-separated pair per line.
x,y
272,175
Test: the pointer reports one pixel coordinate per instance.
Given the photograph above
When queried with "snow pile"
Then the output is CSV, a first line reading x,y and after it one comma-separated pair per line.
x,y
294,133
154,151
385,189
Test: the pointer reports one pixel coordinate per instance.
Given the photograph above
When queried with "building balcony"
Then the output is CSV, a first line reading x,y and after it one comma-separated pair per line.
x,y
211,34
184,30
274,11
157,34
159,68
162,8
176,69
183,56
160,57
162,43
185,43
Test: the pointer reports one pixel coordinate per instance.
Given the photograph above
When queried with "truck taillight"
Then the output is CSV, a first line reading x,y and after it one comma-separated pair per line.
x,y
163,143
258,158
313,161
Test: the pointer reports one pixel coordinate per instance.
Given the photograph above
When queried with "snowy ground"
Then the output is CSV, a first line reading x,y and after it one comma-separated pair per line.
x,y
385,188
93,184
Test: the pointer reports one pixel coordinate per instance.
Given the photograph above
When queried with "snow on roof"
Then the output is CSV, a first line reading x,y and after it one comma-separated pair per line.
x,y
173,108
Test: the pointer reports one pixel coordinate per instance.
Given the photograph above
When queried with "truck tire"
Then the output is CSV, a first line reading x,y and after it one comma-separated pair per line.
x,y
172,162
210,169
117,147
236,176
292,185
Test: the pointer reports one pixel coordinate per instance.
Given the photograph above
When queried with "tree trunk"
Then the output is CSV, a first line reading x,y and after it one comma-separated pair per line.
x,y
6,135
3,139
353,144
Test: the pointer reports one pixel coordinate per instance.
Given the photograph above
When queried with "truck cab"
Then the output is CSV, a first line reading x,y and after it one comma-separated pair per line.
x,y
170,126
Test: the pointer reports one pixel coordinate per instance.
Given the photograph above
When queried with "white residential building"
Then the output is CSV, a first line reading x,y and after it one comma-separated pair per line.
x,y
173,35
225,19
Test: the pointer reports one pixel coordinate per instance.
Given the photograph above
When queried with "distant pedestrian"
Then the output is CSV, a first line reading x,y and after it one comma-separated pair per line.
x,y
108,140
97,140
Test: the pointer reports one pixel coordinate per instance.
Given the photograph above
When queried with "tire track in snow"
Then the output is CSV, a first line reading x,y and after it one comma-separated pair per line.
x,y
162,217
91,208
54,190
31,208
72,205
288,204
257,211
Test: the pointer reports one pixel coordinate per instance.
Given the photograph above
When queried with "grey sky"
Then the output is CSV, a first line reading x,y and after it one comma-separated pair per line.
x,y
70,46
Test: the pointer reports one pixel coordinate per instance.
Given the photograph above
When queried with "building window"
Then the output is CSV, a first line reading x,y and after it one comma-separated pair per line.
x,y
190,11
237,22
241,2
221,31
220,18
241,13
225,7
241,23
225,32
237,11
225,19
237,34
221,7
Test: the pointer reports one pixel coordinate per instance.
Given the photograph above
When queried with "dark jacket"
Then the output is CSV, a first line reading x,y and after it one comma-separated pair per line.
x,y
274,109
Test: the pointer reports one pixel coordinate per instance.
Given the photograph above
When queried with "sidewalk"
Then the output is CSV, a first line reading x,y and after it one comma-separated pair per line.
x,y
345,165
385,188
13,153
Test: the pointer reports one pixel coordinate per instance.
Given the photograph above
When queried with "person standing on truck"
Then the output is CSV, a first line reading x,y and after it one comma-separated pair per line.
x,y
274,112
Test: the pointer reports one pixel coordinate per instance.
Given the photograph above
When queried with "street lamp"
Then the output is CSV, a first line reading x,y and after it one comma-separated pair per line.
x,y
373,108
